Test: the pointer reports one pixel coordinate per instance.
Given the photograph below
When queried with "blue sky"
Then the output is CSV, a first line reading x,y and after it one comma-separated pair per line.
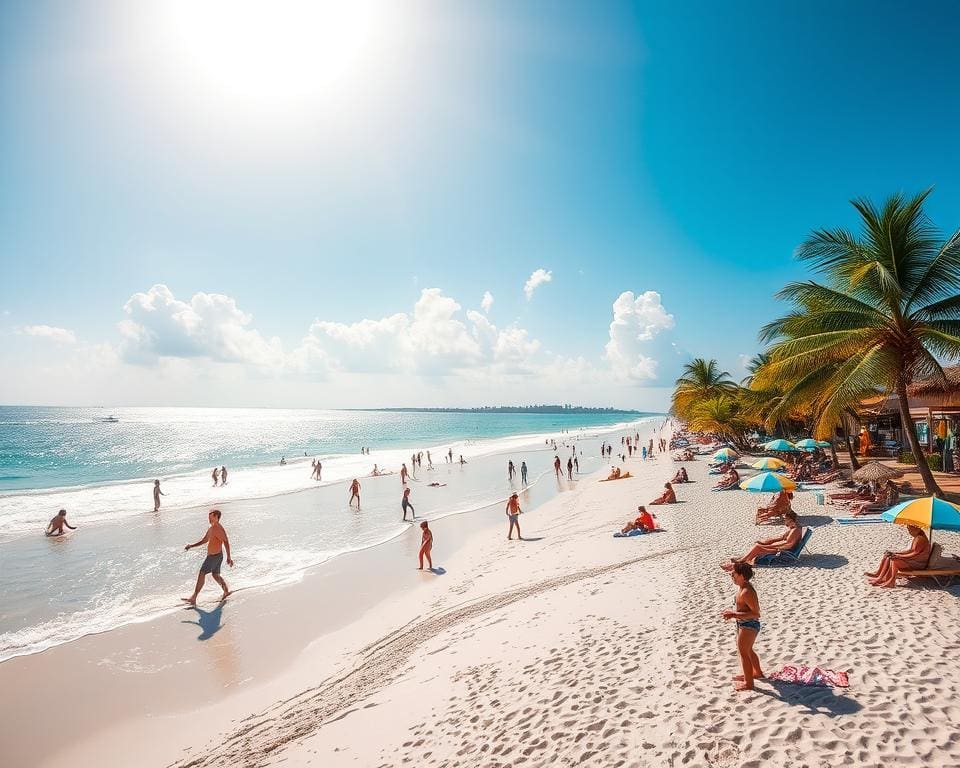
x,y
682,149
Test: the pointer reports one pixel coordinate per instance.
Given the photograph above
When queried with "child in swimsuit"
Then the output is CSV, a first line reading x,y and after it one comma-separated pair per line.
x,y
747,615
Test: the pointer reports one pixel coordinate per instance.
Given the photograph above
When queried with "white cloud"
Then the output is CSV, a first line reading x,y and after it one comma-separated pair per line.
x,y
51,332
637,321
536,279
486,302
210,326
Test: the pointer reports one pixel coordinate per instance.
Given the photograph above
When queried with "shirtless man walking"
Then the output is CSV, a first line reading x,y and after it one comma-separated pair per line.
x,y
216,541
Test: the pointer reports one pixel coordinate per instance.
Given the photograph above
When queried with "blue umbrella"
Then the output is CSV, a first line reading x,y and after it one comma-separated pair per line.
x,y
808,445
779,445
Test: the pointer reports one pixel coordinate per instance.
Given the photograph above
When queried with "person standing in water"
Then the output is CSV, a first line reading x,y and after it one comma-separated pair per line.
x,y
55,528
223,475
513,515
216,541
576,465
569,469
405,504
157,493
403,474
747,616
510,470
355,492
216,476
523,472
429,461
557,467
426,545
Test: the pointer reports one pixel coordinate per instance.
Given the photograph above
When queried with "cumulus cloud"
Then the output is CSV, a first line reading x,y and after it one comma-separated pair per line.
x,y
210,325
637,321
486,302
536,279
51,332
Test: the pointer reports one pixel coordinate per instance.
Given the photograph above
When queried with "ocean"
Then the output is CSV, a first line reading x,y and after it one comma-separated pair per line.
x,y
126,563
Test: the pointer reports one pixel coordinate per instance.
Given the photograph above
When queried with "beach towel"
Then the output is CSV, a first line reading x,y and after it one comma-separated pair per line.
x,y
634,532
859,520
801,674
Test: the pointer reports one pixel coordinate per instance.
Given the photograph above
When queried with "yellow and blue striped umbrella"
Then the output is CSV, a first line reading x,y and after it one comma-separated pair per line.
x,y
725,454
767,482
779,445
769,463
929,512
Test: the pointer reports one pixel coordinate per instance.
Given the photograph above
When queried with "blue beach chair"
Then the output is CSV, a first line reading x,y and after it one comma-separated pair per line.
x,y
787,556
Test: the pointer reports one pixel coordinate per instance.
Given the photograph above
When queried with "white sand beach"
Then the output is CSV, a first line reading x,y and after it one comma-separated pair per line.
x,y
577,648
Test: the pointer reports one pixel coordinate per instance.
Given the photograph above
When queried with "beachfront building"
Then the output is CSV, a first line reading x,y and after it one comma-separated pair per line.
x,y
934,413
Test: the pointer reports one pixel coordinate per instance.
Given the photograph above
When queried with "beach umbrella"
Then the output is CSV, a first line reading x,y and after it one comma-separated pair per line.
x,y
808,445
930,512
767,482
769,463
725,454
779,445
823,444
875,471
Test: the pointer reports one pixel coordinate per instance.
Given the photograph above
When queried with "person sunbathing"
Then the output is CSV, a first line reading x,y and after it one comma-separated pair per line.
x,y
915,558
787,541
614,474
645,522
729,480
720,467
862,493
882,501
776,508
667,497
681,476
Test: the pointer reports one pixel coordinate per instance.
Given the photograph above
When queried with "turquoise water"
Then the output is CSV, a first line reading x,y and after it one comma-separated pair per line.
x,y
126,562
58,447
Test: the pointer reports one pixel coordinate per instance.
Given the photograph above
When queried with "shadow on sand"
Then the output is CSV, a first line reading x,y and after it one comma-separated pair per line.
x,y
813,699
813,521
208,621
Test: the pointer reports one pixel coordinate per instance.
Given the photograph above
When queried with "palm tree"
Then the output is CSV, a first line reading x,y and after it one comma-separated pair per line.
x,y
719,415
886,314
701,380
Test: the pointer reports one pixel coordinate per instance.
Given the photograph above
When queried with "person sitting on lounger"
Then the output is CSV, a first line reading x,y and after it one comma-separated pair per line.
x,y
667,497
776,508
681,476
729,480
882,500
787,541
892,563
645,522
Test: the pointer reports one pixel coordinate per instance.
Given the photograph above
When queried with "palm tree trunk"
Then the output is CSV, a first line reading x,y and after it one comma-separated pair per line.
x,y
854,464
833,451
906,423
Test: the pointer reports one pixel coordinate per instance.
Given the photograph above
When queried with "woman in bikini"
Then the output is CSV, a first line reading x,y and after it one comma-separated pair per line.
x,y
747,616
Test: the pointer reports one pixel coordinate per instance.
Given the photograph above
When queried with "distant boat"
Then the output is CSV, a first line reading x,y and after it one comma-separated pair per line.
x,y
109,420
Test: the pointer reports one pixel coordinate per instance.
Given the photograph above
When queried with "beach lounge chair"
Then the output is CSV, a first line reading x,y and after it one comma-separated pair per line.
x,y
787,556
943,570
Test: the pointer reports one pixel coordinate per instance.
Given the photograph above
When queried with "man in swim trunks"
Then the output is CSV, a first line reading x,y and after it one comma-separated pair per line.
x,y
216,541
56,525
788,540
513,514
157,493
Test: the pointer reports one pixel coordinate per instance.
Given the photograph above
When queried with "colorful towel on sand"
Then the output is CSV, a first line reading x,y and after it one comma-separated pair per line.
x,y
804,675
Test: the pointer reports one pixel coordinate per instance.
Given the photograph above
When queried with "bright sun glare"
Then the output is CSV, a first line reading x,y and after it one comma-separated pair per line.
x,y
272,54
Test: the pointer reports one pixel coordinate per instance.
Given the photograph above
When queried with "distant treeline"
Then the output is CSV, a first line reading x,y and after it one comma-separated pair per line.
x,y
554,409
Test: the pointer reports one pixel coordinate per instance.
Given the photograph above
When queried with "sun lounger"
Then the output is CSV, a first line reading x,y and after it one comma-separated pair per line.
x,y
786,556
942,570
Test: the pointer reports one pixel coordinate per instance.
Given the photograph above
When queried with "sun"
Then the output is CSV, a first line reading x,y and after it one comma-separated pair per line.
x,y
268,55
